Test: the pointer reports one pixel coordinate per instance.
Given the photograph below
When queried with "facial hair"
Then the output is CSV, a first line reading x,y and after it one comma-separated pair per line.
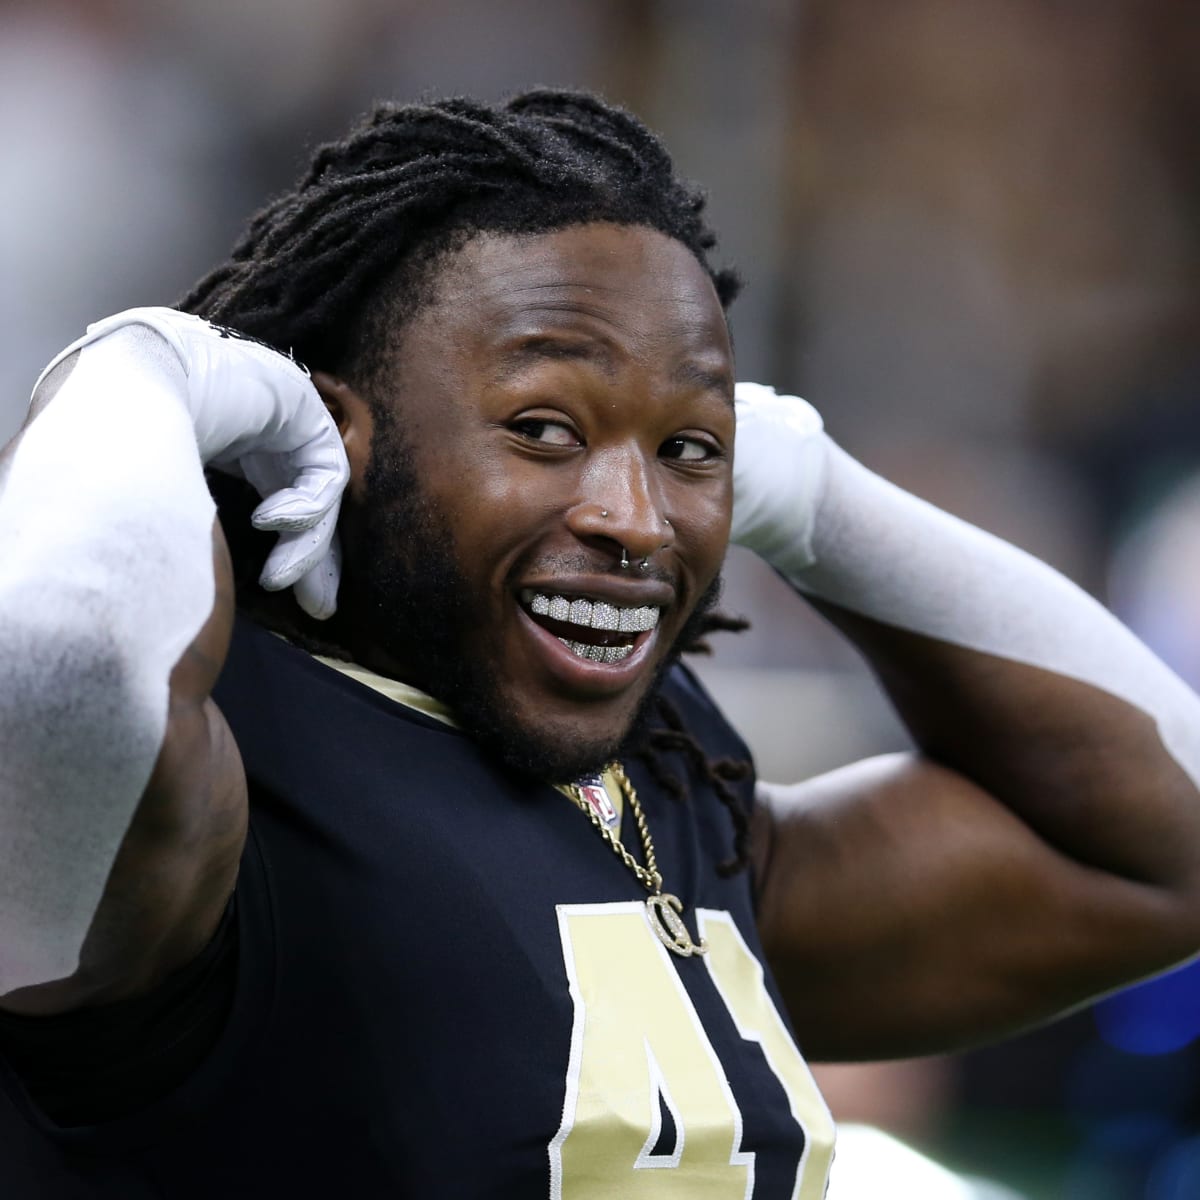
x,y
418,607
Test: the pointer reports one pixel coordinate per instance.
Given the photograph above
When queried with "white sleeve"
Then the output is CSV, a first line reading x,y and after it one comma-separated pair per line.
x,y
105,578
839,532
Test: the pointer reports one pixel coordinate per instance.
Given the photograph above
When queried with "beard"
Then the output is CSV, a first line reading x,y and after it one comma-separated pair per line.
x,y
418,607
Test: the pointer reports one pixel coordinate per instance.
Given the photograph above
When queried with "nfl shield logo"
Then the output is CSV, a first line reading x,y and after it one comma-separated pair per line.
x,y
592,789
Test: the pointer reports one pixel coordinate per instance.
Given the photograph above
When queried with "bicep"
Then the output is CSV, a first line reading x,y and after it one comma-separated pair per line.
x,y
905,911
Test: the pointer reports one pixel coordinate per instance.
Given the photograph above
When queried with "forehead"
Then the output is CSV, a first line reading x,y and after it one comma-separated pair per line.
x,y
628,289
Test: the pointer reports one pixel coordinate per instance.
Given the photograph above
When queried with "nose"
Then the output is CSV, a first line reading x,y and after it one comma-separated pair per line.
x,y
622,507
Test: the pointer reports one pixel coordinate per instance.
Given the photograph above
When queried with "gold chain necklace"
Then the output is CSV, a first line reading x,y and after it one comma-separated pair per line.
x,y
662,908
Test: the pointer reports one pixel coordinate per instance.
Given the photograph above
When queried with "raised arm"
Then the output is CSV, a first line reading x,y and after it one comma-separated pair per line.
x,y
121,793
1043,847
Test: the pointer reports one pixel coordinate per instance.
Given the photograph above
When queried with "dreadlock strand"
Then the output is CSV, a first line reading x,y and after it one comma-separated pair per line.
x,y
716,773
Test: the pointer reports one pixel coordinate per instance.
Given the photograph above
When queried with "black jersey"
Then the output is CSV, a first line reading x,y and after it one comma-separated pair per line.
x,y
448,986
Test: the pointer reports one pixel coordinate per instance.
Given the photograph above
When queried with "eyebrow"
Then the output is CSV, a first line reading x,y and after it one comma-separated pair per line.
x,y
567,348
553,348
709,379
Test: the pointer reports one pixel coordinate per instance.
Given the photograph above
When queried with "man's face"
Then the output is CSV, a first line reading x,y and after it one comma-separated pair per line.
x,y
563,405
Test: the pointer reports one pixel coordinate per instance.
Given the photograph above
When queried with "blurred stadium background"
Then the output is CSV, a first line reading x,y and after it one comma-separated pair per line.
x,y
971,231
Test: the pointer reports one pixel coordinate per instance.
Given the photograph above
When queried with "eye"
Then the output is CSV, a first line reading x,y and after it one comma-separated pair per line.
x,y
545,431
689,449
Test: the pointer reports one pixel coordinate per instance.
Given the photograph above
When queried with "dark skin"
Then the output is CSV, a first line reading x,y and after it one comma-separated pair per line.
x,y
1042,850
563,403
1041,847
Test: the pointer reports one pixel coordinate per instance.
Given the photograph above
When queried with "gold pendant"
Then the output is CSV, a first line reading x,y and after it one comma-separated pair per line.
x,y
664,910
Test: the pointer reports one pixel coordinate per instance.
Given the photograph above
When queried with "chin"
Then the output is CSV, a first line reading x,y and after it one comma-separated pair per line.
x,y
567,745
553,752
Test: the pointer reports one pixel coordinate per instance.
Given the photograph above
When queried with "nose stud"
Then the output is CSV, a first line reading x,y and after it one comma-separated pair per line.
x,y
604,512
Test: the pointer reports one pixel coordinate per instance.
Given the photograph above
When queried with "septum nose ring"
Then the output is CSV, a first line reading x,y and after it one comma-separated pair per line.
x,y
644,565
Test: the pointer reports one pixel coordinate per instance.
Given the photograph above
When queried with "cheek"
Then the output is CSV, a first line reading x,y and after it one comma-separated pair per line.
x,y
487,498
702,521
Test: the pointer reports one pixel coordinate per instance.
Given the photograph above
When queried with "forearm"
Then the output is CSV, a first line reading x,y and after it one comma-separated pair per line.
x,y
1006,671
105,536
106,532
998,664
1087,773
102,494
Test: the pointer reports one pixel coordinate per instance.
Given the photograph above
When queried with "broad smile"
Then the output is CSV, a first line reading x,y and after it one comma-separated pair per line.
x,y
592,629
593,636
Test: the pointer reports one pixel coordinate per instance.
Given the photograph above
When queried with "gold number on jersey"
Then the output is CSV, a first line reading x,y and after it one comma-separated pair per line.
x,y
738,976
638,1048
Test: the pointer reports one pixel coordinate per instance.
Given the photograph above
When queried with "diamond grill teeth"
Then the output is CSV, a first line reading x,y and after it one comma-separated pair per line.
x,y
597,614
638,620
605,616
600,654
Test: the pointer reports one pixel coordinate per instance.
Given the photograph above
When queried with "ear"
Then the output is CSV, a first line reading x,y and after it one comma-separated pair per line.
x,y
352,415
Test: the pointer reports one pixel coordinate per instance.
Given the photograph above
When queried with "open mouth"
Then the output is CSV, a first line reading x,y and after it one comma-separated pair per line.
x,y
596,630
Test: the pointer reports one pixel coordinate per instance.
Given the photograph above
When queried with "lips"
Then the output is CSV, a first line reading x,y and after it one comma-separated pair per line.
x,y
592,628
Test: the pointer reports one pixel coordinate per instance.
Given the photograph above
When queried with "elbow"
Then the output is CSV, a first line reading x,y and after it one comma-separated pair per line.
x,y
1181,923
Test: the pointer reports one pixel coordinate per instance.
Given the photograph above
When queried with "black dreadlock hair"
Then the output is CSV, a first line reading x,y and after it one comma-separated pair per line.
x,y
332,269
413,182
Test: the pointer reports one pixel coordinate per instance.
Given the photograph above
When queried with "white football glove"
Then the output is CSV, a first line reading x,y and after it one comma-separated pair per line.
x,y
778,473
256,413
